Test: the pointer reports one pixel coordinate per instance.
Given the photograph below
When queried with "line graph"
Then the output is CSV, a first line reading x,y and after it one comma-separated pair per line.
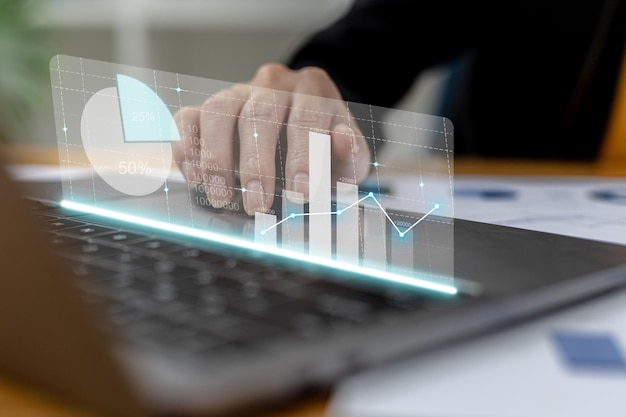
x,y
364,232
356,203
398,220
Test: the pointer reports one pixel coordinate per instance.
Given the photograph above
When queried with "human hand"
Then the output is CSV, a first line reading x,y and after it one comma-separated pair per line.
x,y
237,130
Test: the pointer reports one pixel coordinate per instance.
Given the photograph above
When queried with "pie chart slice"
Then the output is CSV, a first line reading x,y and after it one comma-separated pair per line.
x,y
121,153
145,117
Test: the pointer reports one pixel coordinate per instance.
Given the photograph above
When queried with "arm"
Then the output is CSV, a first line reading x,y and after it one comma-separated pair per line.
x,y
242,123
358,52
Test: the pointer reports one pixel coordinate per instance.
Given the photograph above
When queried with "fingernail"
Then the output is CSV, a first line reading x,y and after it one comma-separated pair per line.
x,y
301,183
254,197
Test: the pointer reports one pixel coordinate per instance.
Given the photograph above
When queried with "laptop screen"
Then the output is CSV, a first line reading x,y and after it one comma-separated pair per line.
x,y
215,160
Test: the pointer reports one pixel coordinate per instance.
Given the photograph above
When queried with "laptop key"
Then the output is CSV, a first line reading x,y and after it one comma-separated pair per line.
x,y
182,340
86,251
229,324
120,236
123,314
111,265
168,267
121,255
121,294
252,332
83,230
231,352
156,245
57,224
206,257
277,279
206,280
347,308
323,293
306,320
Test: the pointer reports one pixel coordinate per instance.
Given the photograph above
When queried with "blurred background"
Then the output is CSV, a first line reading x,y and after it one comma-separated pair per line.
x,y
219,39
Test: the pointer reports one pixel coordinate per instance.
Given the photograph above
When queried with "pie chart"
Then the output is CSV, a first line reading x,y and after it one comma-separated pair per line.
x,y
127,133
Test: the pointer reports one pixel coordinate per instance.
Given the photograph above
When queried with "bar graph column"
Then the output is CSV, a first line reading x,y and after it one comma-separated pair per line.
x,y
347,243
292,233
402,251
374,238
320,233
262,222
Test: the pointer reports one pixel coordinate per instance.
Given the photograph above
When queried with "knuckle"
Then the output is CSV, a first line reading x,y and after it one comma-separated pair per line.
x,y
298,158
247,111
220,104
249,166
316,74
216,103
317,82
185,115
306,117
252,161
270,73
256,109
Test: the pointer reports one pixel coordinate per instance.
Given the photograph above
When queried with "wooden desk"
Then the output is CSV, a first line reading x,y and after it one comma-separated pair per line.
x,y
19,400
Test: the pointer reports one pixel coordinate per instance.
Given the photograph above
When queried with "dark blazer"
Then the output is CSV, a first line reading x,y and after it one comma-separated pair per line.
x,y
532,78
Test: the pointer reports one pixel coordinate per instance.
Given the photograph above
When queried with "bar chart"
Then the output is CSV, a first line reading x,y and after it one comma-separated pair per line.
x,y
365,233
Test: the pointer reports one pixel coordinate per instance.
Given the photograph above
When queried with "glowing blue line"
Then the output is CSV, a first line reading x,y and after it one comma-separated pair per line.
x,y
420,219
356,202
224,239
338,212
282,221
387,215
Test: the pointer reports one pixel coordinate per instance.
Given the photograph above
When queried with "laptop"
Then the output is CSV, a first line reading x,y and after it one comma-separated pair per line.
x,y
113,303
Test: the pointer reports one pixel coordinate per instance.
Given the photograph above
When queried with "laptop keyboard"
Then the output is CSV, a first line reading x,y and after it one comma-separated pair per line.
x,y
166,294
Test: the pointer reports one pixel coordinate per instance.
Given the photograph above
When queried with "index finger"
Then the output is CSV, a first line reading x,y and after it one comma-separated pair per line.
x,y
259,126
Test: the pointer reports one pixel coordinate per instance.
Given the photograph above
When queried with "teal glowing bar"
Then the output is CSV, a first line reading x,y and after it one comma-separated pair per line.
x,y
264,233
402,251
229,240
292,232
347,223
374,237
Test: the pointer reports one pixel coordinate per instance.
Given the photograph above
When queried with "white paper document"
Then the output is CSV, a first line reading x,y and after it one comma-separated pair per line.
x,y
592,208
587,207
519,372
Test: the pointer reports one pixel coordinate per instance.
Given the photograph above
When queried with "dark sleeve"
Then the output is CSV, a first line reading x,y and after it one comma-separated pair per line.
x,y
376,50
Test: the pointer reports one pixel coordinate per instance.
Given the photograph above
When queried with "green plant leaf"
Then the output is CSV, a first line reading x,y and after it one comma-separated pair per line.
x,y
24,55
